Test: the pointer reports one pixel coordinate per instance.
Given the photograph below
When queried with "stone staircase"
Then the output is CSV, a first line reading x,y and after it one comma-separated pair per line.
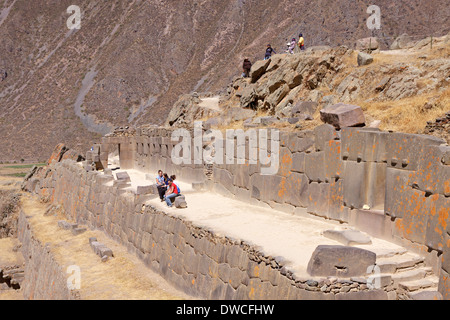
x,y
407,274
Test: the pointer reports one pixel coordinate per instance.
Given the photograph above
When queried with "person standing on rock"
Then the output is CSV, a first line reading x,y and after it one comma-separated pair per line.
x,y
301,42
269,52
161,185
246,68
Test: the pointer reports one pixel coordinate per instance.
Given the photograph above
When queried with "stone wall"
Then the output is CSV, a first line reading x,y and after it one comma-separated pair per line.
x,y
394,186
44,277
191,258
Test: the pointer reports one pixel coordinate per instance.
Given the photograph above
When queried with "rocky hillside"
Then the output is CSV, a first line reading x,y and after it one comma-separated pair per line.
x,y
131,60
401,90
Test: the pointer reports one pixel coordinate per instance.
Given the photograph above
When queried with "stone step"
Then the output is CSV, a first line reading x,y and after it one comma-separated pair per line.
x,y
426,294
388,253
348,237
415,285
392,264
414,274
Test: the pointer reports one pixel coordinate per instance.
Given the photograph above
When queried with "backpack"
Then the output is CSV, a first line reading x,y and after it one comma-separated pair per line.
x,y
178,188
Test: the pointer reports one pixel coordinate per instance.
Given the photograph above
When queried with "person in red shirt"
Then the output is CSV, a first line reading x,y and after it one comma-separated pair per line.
x,y
172,193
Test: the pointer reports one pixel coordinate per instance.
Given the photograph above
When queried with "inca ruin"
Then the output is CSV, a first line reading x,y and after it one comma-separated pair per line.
x,y
321,172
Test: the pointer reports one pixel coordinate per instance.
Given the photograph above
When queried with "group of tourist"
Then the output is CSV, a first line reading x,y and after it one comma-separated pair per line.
x,y
168,190
247,65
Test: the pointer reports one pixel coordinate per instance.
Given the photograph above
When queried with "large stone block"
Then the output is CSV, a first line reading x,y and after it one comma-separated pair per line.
x,y
317,198
343,115
336,209
286,162
334,166
225,178
406,151
298,162
315,166
397,184
322,135
296,189
364,144
432,175
444,284
354,182
415,208
340,261
446,254
258,69
364,185
373,222
438,222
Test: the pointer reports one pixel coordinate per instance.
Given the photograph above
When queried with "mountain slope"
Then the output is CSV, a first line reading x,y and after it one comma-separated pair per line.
x,y
131,60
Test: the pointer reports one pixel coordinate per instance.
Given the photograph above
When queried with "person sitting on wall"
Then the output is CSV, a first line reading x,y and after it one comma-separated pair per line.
x,y
171,193
174,177
166,179
161,185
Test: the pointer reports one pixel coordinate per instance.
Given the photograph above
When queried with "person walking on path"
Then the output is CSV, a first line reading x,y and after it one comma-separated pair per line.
x,y
269,52
292,46
246,68
301,42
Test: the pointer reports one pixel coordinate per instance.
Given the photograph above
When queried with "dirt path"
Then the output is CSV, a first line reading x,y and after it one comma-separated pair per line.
x,y
210,103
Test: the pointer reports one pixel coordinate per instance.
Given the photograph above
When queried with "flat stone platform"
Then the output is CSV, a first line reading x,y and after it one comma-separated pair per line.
x,y
294,237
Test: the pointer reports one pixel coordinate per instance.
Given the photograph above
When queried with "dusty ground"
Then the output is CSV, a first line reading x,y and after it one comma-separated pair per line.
x,y
9,258
124,277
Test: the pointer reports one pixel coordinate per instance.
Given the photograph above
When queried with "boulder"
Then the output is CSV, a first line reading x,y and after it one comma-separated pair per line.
x,y
258,69
57,154
401,42
180,202
239,114
101,250
340,261
248,97
304,108
343,115
364,59
370,43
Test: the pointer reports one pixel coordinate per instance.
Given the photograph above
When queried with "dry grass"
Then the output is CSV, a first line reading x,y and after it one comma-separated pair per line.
x,y
123,277
407,115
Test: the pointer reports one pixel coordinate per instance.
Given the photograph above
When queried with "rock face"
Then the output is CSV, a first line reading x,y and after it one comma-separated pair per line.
x,y
364,59
440,128
343,115
187,110
340,261
162,50
402,42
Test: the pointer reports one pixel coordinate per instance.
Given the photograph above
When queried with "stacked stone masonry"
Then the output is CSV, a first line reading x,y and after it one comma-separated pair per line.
x,y
395,186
